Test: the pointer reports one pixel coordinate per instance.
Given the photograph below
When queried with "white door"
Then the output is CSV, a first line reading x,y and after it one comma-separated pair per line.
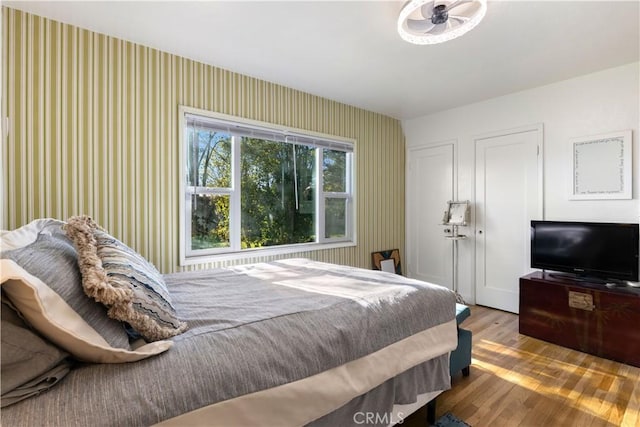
x,y
508,196
430,184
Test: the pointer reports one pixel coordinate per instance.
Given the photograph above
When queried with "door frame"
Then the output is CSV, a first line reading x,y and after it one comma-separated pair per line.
x,y
534,127
409,236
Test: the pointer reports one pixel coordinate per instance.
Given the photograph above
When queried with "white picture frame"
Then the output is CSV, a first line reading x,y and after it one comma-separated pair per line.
x,y
388,265
602,167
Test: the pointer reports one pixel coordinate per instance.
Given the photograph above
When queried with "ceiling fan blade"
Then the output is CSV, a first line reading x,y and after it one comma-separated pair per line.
x,y
439,29
457,3
420,25
427,9
460,19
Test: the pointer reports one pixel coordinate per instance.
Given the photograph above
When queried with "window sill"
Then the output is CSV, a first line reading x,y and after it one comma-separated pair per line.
x,y
263,252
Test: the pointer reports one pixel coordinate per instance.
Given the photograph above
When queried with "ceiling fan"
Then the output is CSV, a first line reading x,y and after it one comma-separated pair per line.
x,y
436,21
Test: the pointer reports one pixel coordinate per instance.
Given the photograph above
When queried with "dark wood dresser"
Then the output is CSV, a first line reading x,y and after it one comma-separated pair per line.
x,y
585,316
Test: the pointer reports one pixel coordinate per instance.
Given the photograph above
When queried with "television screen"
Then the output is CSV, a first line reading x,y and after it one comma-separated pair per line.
x,y
592,249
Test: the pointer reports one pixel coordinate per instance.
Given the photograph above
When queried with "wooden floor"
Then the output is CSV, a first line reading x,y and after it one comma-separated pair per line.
x,y
517,380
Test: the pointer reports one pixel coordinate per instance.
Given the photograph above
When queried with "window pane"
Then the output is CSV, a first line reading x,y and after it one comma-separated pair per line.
x,y
209,221
334,171
209,159
335,218
266,178
277,193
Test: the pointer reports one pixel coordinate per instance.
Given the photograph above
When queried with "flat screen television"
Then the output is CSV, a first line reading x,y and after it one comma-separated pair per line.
x,y
605,251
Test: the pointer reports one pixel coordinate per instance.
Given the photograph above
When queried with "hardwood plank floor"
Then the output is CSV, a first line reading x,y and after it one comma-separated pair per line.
x,y
517,380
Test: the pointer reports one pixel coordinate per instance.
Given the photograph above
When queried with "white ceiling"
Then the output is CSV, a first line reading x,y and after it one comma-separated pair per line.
x,y
351,52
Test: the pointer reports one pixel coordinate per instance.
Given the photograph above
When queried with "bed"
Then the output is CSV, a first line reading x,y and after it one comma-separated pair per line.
x,y
287,343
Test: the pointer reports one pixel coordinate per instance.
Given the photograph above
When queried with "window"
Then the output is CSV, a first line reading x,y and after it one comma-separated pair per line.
x,y
247,186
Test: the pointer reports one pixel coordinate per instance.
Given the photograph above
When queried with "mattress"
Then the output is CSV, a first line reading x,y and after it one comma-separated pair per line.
x,y
281,343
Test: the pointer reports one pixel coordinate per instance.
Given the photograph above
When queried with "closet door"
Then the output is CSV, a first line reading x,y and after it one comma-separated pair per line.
x,y
508,196
430,184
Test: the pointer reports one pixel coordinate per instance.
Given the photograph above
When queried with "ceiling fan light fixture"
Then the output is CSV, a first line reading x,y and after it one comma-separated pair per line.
x,y
432,21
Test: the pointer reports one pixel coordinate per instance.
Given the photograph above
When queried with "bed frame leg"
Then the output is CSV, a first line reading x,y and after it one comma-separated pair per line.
x,y
465,372
431,412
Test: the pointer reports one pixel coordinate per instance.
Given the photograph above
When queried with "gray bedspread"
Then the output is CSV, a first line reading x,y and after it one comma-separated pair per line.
x,y
250,328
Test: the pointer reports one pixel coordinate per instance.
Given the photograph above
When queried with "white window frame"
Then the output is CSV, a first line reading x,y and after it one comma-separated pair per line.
x,y
234,206
190,256
324,195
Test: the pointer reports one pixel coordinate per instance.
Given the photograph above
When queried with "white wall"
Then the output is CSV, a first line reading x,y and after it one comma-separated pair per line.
x,y
591,104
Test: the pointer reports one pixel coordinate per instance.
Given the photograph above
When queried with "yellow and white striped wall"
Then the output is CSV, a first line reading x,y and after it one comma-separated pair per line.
x,y
93,129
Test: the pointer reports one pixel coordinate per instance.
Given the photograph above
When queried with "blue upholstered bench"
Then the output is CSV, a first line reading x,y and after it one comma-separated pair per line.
x,y
460,358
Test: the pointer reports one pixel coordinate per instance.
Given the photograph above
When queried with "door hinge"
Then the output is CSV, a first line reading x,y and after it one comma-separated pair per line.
x,y
537,150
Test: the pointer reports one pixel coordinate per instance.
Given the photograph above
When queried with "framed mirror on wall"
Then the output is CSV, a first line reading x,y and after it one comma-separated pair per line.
x,y
602,167
457,213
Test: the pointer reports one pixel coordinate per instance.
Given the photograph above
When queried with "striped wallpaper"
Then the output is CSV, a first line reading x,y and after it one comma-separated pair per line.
x,y
94,130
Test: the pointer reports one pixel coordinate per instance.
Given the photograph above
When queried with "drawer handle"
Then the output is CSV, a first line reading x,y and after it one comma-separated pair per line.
x,y
581,301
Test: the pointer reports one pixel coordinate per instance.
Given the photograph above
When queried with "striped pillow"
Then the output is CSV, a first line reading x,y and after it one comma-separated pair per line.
x,y
120,278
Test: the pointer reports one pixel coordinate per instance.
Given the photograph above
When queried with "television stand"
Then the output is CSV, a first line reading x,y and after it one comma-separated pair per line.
x,y
582,315
577,278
